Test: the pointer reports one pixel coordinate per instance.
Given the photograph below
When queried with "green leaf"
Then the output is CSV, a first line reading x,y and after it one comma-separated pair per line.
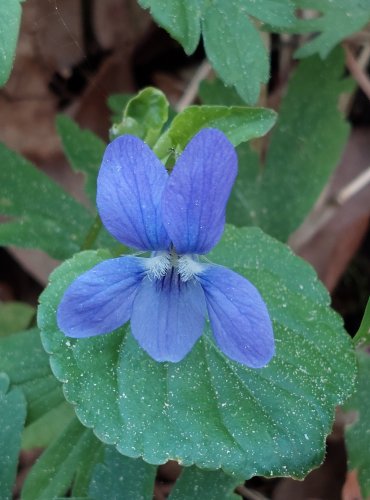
x,y
240,124
363,334
43,215
181,19
84,151
117,104
235,48
12,417
214,92
84,473
44,430
10,18
335,22
122,478
232,42
198,483
357,435
207,410
14,317
144,116
53,473
305,147
23,358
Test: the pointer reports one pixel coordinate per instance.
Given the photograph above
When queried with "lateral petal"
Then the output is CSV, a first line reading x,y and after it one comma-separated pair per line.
x,y
239,317
168,316
100,300
195,197
130,185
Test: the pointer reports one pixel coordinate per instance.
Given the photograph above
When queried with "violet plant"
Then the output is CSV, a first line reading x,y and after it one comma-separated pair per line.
x,y
178,218
179,325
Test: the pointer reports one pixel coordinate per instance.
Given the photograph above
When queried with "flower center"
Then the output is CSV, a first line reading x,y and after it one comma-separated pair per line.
x,y
162,263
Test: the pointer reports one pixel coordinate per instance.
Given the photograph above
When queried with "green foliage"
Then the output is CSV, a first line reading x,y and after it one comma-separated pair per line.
x,y
117,104
181,19
358,434
10,18
122,478
235,48
271,421
363,334
14,317
84,151
231,40
26,363
240,124
53,473
214,92
198,483
334,22
41,432
144,116
12,417
304,149
42,214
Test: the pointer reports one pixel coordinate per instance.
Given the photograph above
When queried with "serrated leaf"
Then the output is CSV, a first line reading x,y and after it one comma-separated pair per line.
x,y
357,435
335,22
14,317
84,151
305,147
198,483
181,19
144,116
240,124
122,478
30,372
10,18
232,42
12,417
271,421
42,214
53,473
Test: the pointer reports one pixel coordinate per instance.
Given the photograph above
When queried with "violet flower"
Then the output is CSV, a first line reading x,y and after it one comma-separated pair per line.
x,y
168,295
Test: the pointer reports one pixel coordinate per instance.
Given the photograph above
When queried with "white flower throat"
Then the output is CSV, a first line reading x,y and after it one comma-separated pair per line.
x,y
162,263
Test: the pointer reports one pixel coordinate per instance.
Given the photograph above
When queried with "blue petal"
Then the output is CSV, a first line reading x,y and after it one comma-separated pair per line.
x,y
100,300
239,317
130,186
197,191
168,316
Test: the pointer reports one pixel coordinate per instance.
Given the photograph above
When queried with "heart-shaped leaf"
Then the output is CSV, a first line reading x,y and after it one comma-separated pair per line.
x,y
207,410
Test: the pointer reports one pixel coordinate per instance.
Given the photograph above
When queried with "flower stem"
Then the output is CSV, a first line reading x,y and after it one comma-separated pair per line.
x,y
92,234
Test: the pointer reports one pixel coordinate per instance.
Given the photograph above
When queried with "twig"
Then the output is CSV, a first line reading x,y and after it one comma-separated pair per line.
x,y
353,187
249,494
319,219
191,90
356,67
360,37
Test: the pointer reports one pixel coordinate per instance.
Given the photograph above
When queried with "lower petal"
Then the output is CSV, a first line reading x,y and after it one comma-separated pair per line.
x,y
168,316
238,315
100,300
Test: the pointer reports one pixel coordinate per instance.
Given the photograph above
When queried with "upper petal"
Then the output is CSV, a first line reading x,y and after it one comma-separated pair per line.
x,y
168,316
239,317
100,300
197,191
130,185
